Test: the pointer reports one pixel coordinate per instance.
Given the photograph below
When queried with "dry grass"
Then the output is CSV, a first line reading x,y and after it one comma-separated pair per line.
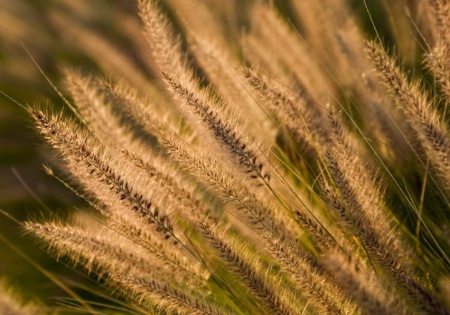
x,y
293,168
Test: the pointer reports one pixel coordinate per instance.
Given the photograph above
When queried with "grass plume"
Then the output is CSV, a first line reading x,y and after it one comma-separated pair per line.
x,y
282,169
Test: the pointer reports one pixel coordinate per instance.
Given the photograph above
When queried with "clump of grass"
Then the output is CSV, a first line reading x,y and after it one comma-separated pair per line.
x,y
279,187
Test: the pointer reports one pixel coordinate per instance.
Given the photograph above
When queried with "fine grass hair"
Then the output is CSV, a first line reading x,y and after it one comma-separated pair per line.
x,y
293,167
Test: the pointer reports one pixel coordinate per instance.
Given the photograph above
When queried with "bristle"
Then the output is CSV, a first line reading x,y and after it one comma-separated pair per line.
x,y
363,288
161,294
425,120
222,71
248,159
223,125
247,271
302,120
296,55
80,154
152,117
167,50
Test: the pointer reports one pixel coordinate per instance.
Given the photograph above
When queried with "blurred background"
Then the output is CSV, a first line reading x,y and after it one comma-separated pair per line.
x,y
31,29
